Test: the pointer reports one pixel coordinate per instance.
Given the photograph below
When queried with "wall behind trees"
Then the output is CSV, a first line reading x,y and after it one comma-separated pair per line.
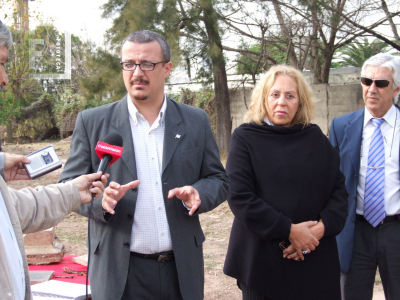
x,y
332,100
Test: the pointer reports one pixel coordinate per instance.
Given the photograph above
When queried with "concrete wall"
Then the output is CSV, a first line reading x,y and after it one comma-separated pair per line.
x,y
331,101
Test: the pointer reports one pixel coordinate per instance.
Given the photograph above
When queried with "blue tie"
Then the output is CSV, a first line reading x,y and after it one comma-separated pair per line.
x,y
374,200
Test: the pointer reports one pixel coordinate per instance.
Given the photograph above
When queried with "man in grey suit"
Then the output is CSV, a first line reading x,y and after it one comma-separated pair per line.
x,y
146,238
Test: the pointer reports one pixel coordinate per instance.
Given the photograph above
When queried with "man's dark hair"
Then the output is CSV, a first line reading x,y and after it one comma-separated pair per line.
x,y
147,36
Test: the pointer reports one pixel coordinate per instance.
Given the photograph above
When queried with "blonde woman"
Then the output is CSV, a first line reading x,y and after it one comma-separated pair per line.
x,y
287,194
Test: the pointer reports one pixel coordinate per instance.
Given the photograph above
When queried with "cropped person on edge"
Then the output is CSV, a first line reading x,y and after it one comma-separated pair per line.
x,y
368,141
287,194
30,209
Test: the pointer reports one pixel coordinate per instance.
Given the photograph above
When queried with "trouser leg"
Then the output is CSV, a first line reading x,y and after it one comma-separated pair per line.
x,y
358,283
389,259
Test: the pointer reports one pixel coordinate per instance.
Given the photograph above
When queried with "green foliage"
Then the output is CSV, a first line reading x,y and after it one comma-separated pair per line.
x,y
355,54
105,77
132,15
72,103
247,63
9,107
21,89
204,99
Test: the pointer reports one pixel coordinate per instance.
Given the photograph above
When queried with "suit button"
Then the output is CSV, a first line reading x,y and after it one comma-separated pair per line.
x,y
126,245
134,190
130,217
352,221
355,198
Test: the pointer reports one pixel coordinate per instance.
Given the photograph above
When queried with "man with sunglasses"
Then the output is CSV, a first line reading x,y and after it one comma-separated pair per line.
x,y
369,141
147,241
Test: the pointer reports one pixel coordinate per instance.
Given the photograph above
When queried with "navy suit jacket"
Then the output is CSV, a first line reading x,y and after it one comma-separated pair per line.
x,y
345,135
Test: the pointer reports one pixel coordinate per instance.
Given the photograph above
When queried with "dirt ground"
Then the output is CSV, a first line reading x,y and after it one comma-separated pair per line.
x,y
216,226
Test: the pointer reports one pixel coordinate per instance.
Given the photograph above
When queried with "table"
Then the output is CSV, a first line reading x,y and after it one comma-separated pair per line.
x,y
58,270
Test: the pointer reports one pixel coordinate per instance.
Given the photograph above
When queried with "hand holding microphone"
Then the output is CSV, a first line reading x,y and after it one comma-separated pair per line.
x,y
90,184
109,151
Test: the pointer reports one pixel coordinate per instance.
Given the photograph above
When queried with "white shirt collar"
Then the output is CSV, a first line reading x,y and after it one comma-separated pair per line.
x,y
266,120
389,117
134,113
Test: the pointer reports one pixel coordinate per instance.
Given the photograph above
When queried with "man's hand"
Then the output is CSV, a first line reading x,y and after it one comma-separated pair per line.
x,y
302,239
13,168
87,185
187,194
114,192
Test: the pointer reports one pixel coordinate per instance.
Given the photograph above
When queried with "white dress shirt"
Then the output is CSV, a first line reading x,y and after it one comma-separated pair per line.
x,y
14,258
150,230
391,139
266,120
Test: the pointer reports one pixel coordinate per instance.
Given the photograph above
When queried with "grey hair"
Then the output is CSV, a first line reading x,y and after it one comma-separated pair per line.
x,y
385,60
5,36
147,36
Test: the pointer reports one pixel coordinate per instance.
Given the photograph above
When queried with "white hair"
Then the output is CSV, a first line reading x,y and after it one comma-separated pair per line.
x,y
5,36
385,60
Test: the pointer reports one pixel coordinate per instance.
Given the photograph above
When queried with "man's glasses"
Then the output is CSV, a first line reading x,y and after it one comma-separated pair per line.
x,y
147,66
380,83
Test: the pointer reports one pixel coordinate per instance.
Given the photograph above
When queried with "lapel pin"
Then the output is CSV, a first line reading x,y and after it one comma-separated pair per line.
x,y
178,136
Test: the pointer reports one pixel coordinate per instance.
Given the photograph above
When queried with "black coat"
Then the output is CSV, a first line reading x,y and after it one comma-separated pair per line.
x,y
279,176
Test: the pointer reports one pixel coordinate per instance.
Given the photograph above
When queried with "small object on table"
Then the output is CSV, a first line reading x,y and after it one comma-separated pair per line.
x,y
82,260
71,276
40,276
72,271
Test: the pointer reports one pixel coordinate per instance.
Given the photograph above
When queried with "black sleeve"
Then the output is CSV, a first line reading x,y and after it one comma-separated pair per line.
x,y
249,209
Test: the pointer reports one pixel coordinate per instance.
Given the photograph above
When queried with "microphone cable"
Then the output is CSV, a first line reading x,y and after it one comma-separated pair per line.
x,y
88,264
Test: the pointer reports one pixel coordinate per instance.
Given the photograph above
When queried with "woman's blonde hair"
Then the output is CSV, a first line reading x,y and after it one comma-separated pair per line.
x,y
258,109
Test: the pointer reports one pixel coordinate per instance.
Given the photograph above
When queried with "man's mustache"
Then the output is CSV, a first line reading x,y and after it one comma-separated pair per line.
x,y
139,80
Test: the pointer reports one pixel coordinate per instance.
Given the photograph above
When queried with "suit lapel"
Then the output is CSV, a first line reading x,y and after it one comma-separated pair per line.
x,y
173,133
120,121
353,134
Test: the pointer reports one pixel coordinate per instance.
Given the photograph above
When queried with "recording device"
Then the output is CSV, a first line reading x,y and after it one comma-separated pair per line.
x,y
109,151
43,161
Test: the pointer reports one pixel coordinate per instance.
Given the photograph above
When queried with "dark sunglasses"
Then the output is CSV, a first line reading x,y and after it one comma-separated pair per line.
x,y
380,83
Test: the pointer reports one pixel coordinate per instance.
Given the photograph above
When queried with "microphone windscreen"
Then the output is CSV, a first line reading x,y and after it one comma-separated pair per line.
x,y
113,139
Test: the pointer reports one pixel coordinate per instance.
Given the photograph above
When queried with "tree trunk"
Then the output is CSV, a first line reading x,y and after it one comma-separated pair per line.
x,y
51,115
291,54
326,66
224,124
390,19
9,133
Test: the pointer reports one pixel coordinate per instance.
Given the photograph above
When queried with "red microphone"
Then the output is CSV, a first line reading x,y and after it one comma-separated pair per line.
x,y
109,151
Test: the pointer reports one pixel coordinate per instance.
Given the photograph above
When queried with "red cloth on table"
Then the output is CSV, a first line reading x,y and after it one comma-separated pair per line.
x,y
58,269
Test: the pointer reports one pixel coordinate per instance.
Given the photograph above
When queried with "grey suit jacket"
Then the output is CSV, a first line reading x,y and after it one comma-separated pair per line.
x,y
193,159
32,210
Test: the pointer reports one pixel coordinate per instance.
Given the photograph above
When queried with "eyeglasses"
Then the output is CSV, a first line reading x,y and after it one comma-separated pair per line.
x,y
147,66
380,83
